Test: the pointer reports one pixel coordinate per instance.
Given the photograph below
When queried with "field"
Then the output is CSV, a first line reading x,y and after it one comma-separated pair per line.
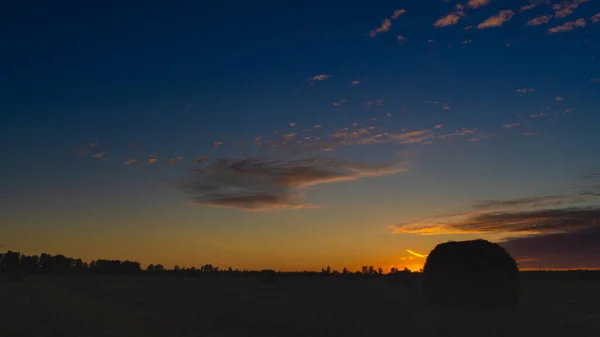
x,y
99,306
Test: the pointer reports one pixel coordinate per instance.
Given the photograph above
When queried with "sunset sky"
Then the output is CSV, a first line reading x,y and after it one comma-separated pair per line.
x,y
300,134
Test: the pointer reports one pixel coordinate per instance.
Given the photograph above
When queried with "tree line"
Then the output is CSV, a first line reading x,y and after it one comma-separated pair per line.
x,y
16,263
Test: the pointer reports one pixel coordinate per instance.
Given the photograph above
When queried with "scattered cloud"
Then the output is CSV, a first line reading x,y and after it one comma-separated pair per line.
x,y
469,27
497,20
84,150
321,77
203,159
595,80
130,161
438,126
174,160
567,26
258,184
355,82
386,24
527,7
449,19
397,14
525,90
559,99
100,154
478,3
151,160
342,101
467,41
595,18
401,39
540,20
566,8
513,125
447,106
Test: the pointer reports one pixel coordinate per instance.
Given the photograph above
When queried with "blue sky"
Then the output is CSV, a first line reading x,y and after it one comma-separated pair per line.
x,y
414,110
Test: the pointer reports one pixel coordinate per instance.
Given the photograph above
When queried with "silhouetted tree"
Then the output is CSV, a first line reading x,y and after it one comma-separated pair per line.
x,y
474,274
150,268
159,268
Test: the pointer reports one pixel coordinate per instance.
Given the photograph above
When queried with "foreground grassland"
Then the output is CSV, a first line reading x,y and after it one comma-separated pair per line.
x,y
146,306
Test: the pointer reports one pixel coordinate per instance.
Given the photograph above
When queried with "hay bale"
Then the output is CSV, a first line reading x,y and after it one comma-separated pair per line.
x,y
268,276
474,274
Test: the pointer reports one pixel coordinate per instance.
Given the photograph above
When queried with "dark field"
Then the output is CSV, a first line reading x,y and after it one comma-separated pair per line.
x,y
85,305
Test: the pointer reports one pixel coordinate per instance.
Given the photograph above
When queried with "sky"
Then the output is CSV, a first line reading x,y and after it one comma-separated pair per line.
x,y
299,134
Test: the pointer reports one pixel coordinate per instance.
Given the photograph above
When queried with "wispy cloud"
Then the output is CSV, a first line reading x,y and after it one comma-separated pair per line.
x,y
540,20
423,256
538,215
401,39
567,26
497,20
130,161
203,159
559,99
100,154
566,8
321,77
595,18
355,82
478,3
151,160
513,125
258,184
449,19
527,7
174,160
397,14
525,90
385,26
595,80
340,102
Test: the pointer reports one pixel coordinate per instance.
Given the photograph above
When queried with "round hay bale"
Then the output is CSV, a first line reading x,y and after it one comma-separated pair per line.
x,y
268,276
474,274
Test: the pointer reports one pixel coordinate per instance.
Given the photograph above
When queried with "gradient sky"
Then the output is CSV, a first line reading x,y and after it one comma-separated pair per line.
x,y
300,134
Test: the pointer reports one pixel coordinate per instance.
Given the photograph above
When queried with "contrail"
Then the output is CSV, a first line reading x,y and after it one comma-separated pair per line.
x,y
416,254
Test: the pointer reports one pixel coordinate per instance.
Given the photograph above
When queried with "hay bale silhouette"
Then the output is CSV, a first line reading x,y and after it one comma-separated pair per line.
x,y
268,276
474,274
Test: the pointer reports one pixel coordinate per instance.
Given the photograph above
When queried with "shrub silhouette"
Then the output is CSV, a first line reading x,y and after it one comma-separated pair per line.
x,y
474,274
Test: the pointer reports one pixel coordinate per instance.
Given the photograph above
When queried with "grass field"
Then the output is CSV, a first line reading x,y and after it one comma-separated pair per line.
x,y
98,306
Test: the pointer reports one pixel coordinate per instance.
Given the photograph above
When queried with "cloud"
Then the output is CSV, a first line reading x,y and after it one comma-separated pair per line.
x,y
559,99
258,183
153,159
416,254
449,19
130,161
174,160
203,159
513,125
401,39
438,126
566,8
100,154
540,20
321,77
595,80
527,7
525,90
572,250
342,101
478,3
355,82
538,215
595,18
467,41
509,223
567,26
497,20
386,24
397,14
